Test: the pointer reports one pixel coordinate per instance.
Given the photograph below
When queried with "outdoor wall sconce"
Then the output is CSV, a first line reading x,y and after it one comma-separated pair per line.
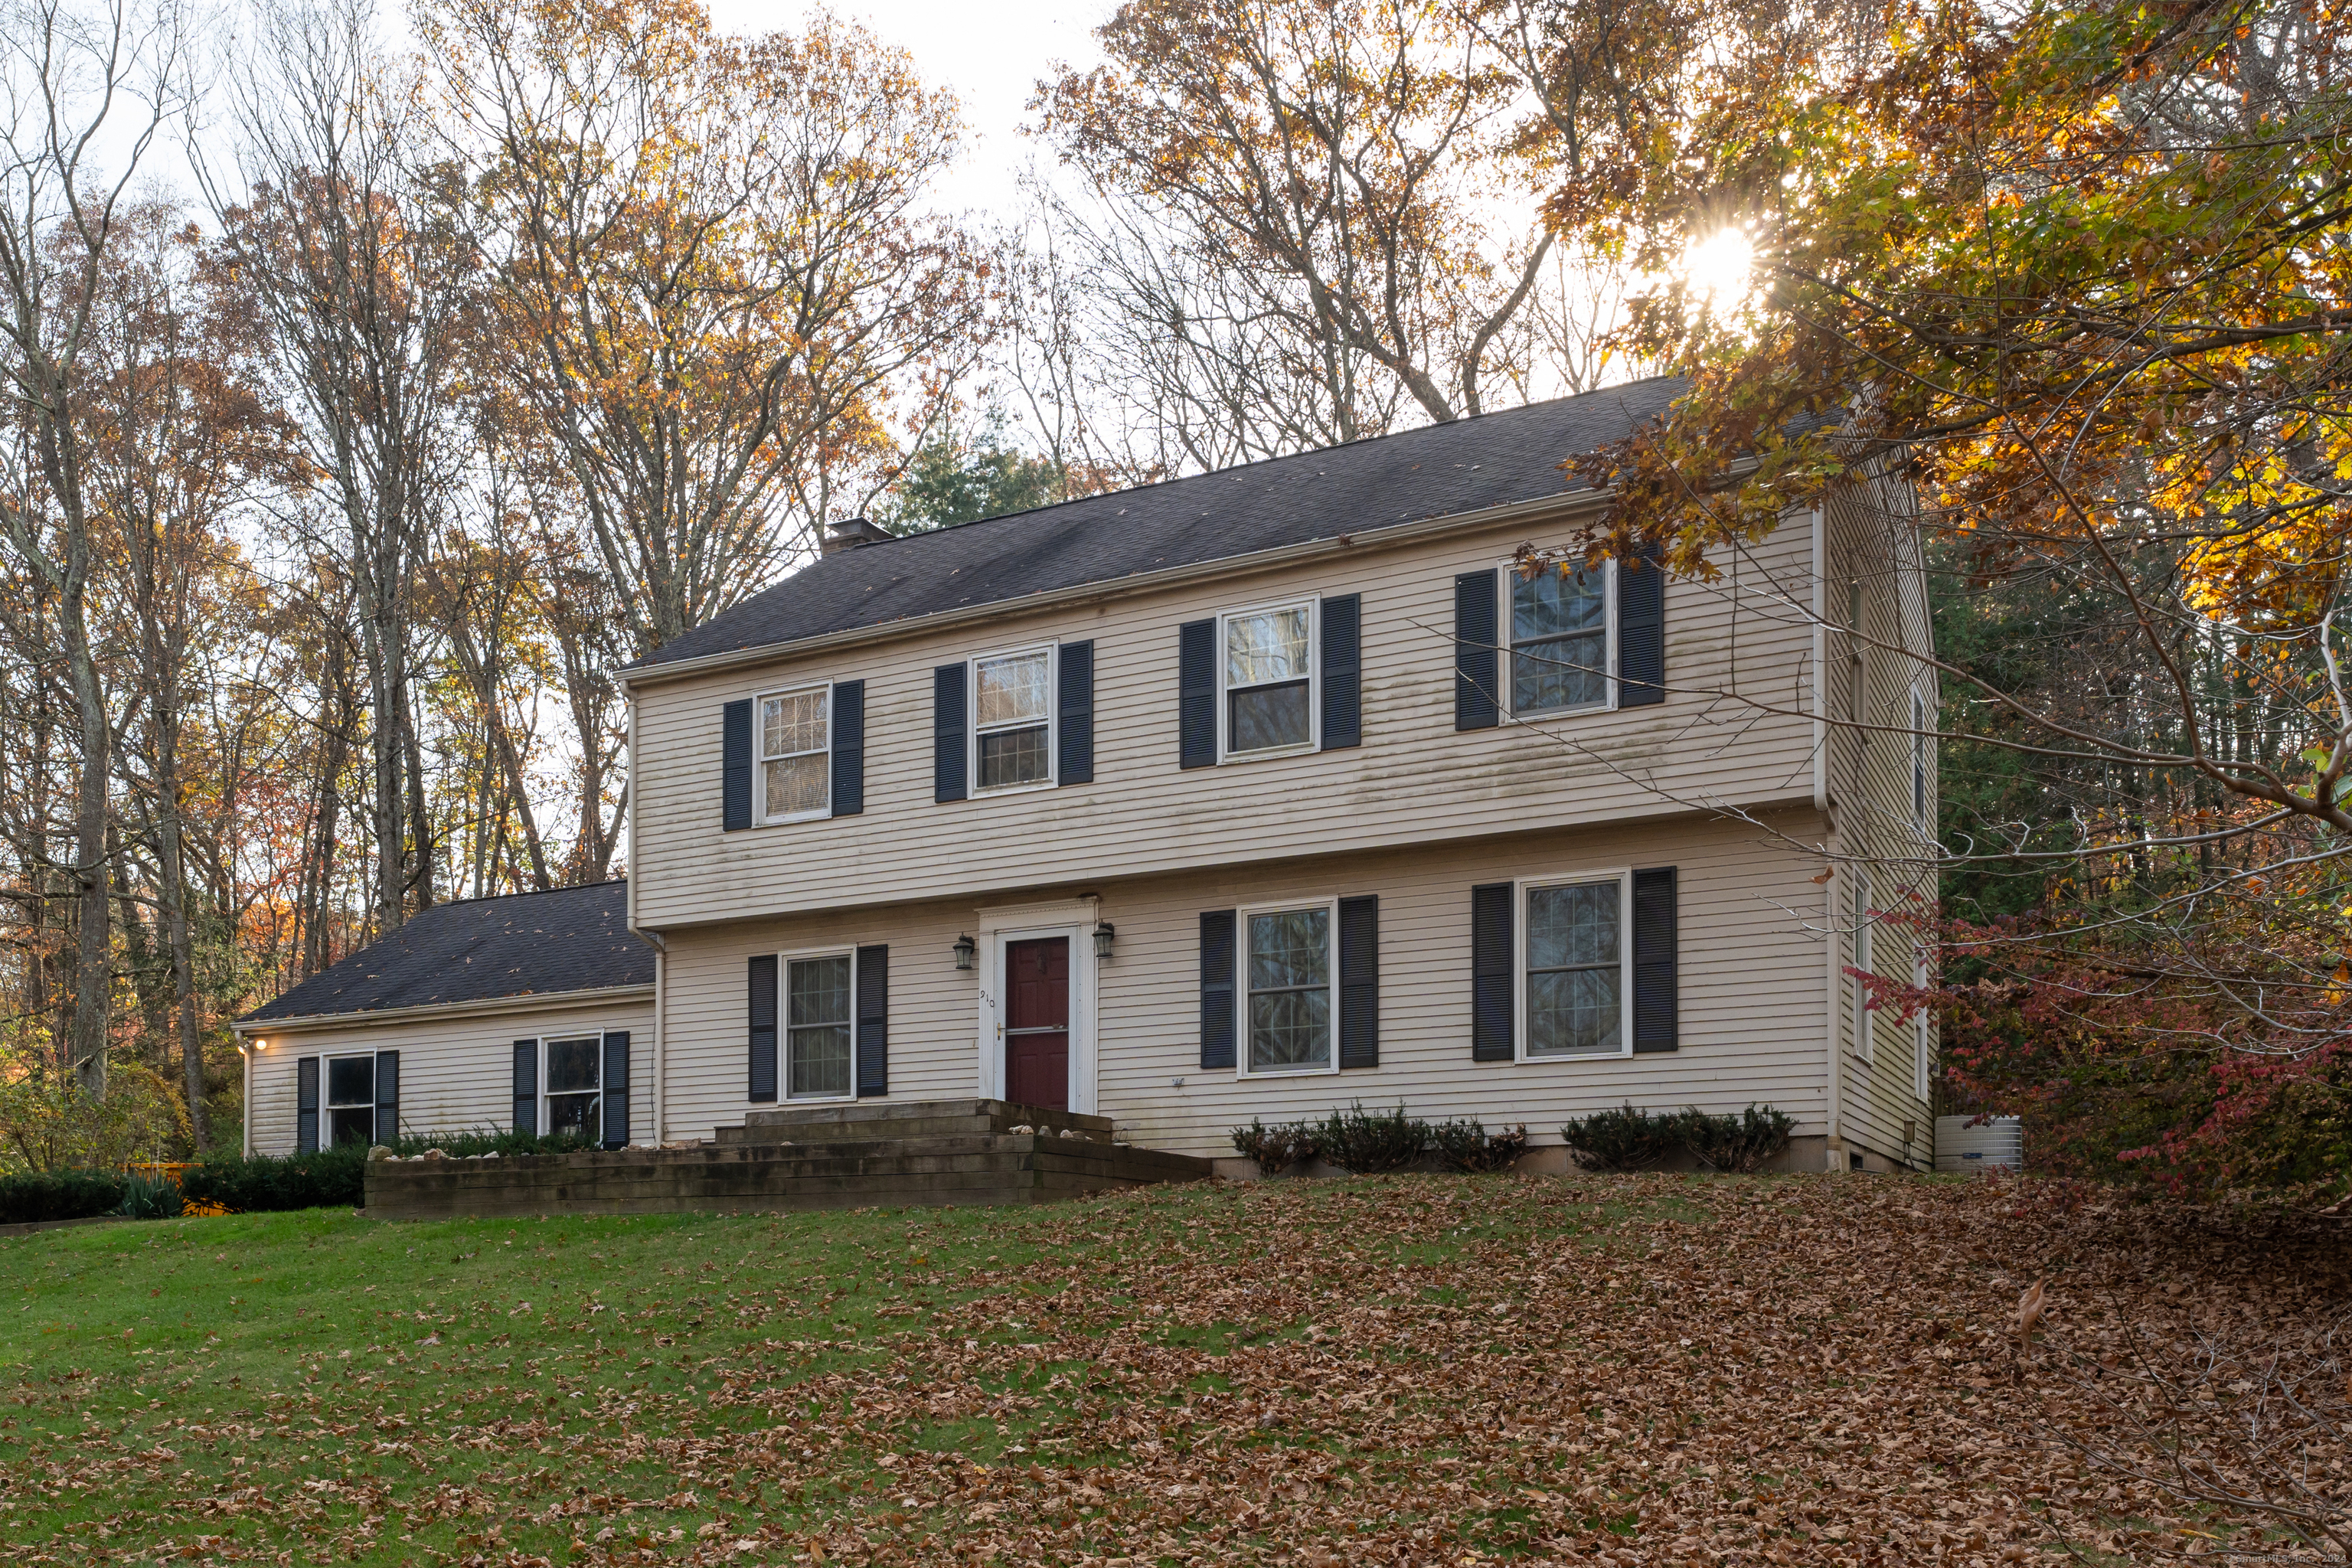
x,y
966,952
1104,933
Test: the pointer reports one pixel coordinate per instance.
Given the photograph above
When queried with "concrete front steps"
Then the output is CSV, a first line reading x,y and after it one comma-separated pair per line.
x,y
869,1155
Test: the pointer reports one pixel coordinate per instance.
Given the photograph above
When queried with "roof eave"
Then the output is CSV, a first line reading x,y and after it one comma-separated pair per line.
x,y
1564,505
525,1001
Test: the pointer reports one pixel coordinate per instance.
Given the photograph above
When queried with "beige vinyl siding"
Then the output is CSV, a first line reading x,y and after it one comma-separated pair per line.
x,y
1871,812
456,1071
1751,994
1735,729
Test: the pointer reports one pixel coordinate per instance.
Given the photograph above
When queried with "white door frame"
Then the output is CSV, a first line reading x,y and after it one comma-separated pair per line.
x,y
1075,919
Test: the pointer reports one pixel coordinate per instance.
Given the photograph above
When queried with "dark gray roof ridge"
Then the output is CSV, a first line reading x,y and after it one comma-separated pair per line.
x,y
511,947
1501,458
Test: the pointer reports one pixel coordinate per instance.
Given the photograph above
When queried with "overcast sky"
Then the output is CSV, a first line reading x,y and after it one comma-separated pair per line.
x,y
991,55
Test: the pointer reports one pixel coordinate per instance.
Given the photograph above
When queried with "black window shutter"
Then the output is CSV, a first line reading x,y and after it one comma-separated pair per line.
x,y
1654,921
1641,630
1490,971
1074,730
616,1107
1360,982
848,747
873,1021
1196,699
526,1087
306,1105
1475,626
1216,990
387,1096
950,760
763,1028
735,764
1343,672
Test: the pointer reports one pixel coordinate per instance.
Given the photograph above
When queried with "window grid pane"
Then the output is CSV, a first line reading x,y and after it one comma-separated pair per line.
x,y
1011,690
1013,757
1290,975
1266,646
792,723
350,1081
1560,640
817,1031
572,1064
1575,978
795,784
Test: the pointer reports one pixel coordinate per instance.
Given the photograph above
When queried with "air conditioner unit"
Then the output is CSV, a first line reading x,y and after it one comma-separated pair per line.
x,y
1964,1143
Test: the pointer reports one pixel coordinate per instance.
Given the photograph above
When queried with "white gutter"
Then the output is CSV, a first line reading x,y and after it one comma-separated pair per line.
x,y
1558,507
529,1001
243,1052
661,1031
1821,674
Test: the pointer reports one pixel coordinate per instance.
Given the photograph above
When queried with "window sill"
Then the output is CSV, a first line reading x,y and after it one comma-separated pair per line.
x,y
824,815
1288,1072
1304,748
1548,714
813,1099
992,791
1532,1058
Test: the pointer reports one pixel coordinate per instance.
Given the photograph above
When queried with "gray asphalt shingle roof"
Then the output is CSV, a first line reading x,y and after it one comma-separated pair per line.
x,y
525,944
1438,471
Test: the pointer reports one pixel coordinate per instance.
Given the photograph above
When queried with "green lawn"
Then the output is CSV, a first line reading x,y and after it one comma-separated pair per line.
x,y
1409,1369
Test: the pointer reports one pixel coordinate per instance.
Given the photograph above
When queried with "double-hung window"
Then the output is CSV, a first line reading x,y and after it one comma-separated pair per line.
x,y
1862,1041
1287,964
1572,975
351,1100
1923,1026
1013,719
817,1028
1919,760
575,1069
1268,679
1562,638
797,755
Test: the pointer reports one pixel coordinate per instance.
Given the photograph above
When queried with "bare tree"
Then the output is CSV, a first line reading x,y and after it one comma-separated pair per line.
x,y
361,282
72,81
715,283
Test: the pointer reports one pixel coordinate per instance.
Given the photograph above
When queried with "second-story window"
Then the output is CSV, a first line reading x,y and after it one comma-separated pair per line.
x,y
1013,719
796,755
1560,640
1269,679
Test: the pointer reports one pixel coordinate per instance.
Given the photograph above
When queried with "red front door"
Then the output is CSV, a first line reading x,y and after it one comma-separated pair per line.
x,y
1037,1022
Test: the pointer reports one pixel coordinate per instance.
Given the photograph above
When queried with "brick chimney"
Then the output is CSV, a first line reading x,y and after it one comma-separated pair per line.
x,y
852,532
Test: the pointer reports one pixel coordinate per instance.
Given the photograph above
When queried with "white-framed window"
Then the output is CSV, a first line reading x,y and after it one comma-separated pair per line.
x,y
795,739
819,1033
347,1100
1923,1028
1266,678
572,1069
1919,760
1288,956
1011,707
1861,965
1562,635
1575,967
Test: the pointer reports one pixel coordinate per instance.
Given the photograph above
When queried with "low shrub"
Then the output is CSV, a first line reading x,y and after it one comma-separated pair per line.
x,y
1625,1138
38,1195
1630,1139
1466,1145
337,1177
1277,1148
1369,1141
149,1197
1742,1143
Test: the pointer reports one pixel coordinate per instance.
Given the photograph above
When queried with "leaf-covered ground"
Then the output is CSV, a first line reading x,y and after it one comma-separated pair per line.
x,y
1616,1370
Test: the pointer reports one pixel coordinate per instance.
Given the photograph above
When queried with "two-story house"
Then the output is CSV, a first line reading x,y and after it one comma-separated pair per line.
x,y
1243,796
